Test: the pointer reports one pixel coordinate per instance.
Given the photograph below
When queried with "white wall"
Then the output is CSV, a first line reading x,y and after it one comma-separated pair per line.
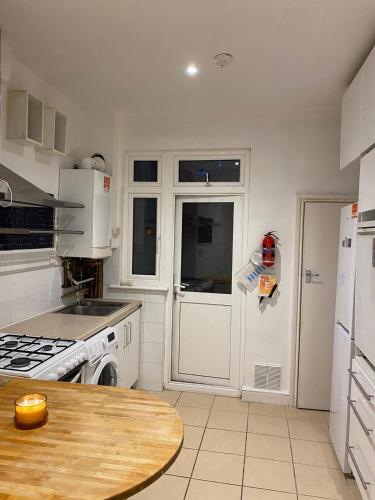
x,y
30,281
287,157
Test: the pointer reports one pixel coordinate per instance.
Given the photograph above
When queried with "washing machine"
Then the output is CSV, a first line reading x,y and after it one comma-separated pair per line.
x,y
102,367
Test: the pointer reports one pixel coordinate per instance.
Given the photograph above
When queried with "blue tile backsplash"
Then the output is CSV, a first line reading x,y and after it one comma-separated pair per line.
x,y
28,218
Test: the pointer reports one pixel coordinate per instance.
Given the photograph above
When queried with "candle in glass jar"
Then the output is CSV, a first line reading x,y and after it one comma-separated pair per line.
x,y
31,411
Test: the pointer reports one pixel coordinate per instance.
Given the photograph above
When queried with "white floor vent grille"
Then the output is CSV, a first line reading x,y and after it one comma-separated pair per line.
x,y
267,376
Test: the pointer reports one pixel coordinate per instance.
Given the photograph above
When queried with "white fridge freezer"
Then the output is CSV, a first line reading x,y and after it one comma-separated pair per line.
x,y
343,348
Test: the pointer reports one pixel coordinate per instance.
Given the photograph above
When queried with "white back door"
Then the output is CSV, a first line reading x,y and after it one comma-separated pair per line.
x,y
206,316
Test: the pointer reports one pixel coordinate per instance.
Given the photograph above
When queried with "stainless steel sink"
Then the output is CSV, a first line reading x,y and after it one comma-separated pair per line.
x,y
93,308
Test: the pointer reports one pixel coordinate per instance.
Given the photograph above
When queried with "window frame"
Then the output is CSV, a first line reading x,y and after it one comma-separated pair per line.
x,y
144,157
194,157
147,278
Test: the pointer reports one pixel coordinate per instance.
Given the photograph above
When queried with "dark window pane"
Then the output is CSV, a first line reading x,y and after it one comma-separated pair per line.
x,y
26,218
207,243
144,236
217,170
145,171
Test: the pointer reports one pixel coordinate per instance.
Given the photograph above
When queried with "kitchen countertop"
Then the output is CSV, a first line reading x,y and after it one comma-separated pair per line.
x,y
71,326
99,442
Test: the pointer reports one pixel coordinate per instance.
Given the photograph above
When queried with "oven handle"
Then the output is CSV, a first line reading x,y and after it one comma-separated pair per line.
x,y
65,378
368,396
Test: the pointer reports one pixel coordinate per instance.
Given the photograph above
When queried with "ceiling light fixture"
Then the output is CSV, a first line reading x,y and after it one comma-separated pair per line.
x,y
191,70
223,59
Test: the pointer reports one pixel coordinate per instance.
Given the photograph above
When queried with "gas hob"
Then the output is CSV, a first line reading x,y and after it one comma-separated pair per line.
x,y
39,357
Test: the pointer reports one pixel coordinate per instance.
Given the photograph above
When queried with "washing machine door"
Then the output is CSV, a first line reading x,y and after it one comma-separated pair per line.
x,y
106,372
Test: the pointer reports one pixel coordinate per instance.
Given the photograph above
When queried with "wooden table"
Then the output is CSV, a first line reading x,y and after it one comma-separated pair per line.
x,y
99,442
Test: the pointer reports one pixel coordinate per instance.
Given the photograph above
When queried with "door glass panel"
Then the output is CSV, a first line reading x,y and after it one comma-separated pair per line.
x,y
216,170
144,236
207,247
108,376
145,171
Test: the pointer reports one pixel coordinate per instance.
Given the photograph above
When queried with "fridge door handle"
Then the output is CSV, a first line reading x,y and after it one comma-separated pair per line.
x,y
360,420
342,326
360,386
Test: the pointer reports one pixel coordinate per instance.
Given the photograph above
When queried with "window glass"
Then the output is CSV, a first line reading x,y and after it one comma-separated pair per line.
x,y
207,246
211,170
144,236
145,171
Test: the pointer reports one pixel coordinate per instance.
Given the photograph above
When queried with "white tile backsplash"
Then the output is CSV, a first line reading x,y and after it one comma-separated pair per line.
x,y
27,294
153,332
157,297
4,314
5,288
151,353
18,285
153,312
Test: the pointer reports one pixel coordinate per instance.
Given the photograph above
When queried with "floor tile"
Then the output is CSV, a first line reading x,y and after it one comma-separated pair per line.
x,y
204,490
170,396
223,403
256,494
309,430
354,490
271,447
321,482
193,416
219,467
273,426
269,474
195,400
224,441
299,414
164,488
267,409
193,436
314,453
304,497
183,466
228,420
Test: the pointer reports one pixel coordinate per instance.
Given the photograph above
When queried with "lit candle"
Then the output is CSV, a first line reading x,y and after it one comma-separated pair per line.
x,y
31,411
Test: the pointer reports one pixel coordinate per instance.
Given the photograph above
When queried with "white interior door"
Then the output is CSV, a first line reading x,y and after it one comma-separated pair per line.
x,y
321,229
206,315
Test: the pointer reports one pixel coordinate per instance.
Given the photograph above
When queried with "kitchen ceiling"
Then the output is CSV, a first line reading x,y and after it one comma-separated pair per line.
x,y
289,55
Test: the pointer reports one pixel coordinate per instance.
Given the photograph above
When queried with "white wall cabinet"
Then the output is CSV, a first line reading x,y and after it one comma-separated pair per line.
x,y
128,332
350,147
24,118
368,103
54,132
358,114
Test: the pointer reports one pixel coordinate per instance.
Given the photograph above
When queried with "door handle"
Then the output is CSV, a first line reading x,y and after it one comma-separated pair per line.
x,y
130,332
126,335
309,275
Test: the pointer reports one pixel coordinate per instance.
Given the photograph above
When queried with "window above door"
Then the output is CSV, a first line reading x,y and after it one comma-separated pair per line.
x,y
144,170
207,170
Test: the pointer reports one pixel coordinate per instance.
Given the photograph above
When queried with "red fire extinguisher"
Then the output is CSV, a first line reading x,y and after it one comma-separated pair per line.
x,y
268,248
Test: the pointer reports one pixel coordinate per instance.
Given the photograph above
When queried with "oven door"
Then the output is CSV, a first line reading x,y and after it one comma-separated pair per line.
x,y
365,291
106,371
75,376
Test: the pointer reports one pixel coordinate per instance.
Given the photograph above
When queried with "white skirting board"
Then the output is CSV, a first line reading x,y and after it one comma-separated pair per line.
x,y
265,396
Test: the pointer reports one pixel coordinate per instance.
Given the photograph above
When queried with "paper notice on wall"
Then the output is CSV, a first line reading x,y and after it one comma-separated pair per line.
x,y
266,284
107,184
354,210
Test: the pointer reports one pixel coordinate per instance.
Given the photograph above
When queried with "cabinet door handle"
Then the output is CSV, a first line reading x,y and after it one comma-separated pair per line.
x,y
130,331
360,386
125,335
360,420
362,479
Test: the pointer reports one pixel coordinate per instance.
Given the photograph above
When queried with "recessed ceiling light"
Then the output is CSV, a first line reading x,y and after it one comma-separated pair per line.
x,y
191,70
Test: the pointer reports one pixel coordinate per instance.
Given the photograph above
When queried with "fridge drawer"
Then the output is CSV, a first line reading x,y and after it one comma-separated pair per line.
x,y
362,458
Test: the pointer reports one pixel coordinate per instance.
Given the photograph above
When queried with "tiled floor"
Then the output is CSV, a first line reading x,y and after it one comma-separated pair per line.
x,y
235,450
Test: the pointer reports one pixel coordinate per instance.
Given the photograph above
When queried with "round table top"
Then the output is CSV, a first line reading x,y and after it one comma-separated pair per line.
x,y
99,442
